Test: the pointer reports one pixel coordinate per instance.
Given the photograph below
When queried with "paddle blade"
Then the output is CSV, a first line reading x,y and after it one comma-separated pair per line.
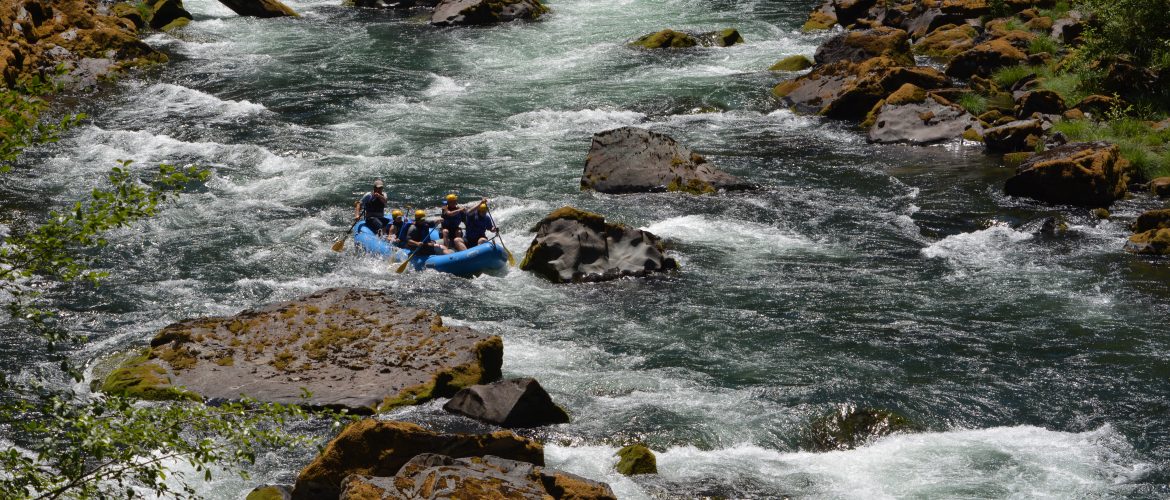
x,y
403,266
511,260
339,245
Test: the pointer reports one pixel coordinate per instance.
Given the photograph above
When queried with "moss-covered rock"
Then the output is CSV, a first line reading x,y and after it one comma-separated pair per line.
x,y
1152,242
260,8
270,492
349,348
850,427
165,13
859,46
947,41
1160,187
792,63
847,90
666,39
985,58
1083,174
636,459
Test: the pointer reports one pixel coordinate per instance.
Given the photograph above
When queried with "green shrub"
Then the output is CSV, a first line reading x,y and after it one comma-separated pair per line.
x,y
975,104
1006,77
1147,149
1043,45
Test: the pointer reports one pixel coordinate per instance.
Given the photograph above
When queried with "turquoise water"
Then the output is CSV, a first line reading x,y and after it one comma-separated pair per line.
x,y
880,276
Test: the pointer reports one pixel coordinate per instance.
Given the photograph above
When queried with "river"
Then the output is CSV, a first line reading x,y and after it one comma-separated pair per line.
x,y
884,276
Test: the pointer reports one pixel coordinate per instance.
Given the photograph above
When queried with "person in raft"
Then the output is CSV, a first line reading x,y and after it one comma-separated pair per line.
x,y
478,223
396,226
418,237
373,207
453,215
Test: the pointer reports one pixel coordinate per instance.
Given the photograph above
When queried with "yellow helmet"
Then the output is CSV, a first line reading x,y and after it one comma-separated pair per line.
x,y
396,213
452,197
419,214
482,208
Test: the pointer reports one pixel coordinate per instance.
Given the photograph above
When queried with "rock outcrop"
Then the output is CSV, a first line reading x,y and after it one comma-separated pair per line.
x,y
480,12
519,402
985,58
947,41
433,476
1088,174
848,90
1045,102
259,8
631,160
1160,187
350,348
636,459
576,246
850,427
78,35
1015,136
858,46
379,448
912,116
1151,234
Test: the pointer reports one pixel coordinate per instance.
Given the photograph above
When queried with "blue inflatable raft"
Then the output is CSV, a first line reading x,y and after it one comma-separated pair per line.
x,y
479,259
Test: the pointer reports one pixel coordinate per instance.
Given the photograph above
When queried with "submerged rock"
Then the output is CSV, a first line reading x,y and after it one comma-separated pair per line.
x,y
636,459
259,8
381,448
480,12
431,475
631,160
351,348
573,246
519,402
1089,174
850,427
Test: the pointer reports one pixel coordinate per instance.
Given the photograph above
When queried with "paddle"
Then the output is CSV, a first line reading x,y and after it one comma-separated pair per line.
x,y
416,251
511,260
339,245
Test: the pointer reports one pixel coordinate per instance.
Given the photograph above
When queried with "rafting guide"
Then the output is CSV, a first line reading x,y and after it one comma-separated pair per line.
x,y
373,207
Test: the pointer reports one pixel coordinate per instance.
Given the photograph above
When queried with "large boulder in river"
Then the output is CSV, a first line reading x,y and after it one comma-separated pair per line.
x,y
1151,234
436,476
480,12
576,246
849,427
858,46
381,448
912,116
519,402
631,160
259,8
848,90
1088,174
636,459
350,348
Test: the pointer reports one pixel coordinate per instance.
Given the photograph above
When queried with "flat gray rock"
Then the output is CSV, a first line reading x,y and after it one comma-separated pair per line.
x,y
350,348
923,122
636,160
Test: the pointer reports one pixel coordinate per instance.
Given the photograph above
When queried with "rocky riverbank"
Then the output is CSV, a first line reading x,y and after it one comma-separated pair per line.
x,y
996,74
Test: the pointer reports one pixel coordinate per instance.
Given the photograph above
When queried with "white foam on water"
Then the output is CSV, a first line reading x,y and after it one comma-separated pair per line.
x,y
445,86
585,120
989,247
168,99
1000,462
742,236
